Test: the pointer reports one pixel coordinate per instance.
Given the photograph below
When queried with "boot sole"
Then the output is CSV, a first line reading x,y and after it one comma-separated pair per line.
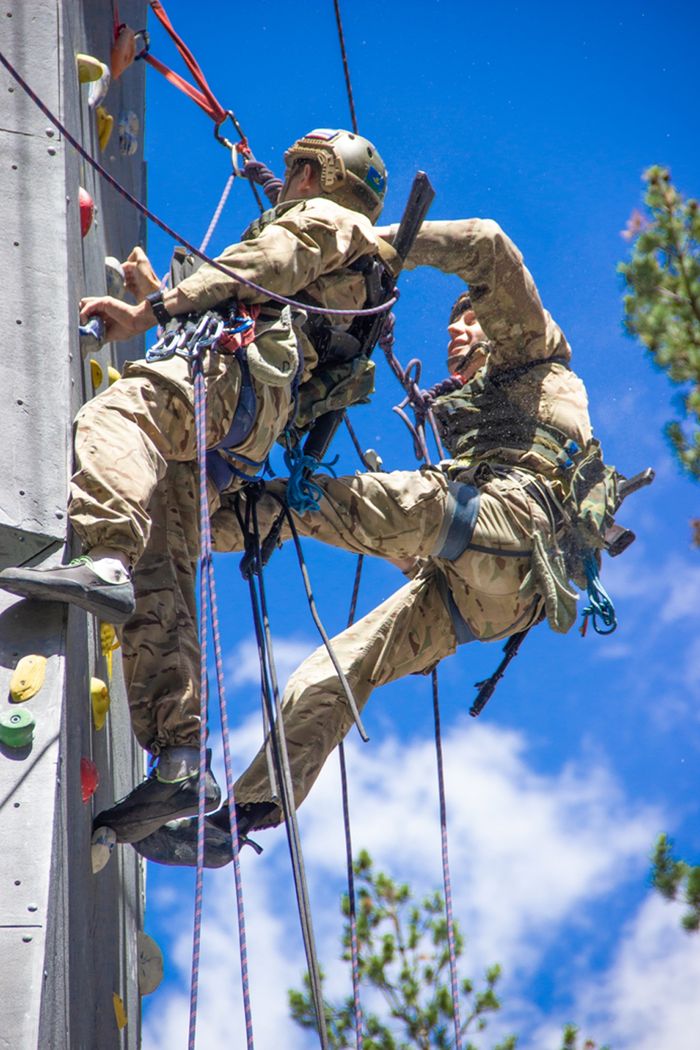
x,y
167,849
102,604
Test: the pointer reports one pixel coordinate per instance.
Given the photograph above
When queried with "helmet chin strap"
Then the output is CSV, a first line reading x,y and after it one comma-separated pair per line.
x,y
482,344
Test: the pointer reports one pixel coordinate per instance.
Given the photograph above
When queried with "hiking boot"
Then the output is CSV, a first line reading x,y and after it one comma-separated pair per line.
x,y
76,583
176,842
154,802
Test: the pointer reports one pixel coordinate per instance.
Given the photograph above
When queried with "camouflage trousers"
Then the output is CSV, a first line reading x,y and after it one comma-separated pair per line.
x,y
481,594
136,490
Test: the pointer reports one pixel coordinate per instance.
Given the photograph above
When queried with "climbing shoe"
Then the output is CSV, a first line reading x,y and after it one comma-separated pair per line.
x,y
76,583
155,802
175,843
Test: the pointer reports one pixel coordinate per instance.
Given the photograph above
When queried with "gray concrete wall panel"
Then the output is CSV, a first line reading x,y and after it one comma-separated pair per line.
x,y
68,938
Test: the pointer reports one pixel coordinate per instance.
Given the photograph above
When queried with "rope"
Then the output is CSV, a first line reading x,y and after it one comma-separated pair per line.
x,y
421,402
217,213
352,901
447,881
208,601
600,603
266,292
303,493
261,175
203,95
281,757
346,68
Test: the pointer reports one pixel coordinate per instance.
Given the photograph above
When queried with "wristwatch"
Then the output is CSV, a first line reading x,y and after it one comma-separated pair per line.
x,y
158,307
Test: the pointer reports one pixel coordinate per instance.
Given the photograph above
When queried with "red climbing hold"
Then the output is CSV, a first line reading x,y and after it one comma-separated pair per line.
x,y
87,211
89,778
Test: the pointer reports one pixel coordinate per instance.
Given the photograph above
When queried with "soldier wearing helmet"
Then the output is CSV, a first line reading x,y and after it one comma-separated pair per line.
x,y
350,170
134,494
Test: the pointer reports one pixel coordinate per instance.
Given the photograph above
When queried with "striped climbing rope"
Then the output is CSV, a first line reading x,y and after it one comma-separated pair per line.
x,y
208,605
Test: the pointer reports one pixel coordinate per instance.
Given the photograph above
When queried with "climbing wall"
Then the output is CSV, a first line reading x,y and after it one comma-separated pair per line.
x,y
69,940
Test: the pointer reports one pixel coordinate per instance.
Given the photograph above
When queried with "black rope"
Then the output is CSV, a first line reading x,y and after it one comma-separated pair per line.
x,y
346,68
352,900
271,699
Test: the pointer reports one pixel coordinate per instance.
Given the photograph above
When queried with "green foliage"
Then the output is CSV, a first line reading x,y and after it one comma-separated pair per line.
x,y
404,955
662,304
677,880
570,1040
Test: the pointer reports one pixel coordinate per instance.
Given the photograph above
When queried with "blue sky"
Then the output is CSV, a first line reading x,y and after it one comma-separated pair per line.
x,y
542,117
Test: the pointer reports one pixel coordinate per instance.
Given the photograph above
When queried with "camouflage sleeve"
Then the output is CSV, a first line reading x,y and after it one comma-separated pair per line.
x,y
314,238
505,299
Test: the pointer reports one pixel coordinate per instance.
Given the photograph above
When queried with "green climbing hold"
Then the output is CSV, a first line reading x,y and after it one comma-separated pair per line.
x,y
16,728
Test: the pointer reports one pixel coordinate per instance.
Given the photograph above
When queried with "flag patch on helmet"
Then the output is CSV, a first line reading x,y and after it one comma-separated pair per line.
x,y
375,180
323,133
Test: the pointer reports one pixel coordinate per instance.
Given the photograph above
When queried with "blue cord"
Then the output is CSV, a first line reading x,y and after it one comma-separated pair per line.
x,y
599,601
303,494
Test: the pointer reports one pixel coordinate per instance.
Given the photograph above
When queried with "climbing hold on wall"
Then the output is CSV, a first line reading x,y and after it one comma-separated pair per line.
x,y
113,374
100,700
123,51
89,68
97,375
119,1011
27,678
16,728
128,133
89,778
101,845
99,88
105,123
150,964
108,636
87,210
114,277
92,335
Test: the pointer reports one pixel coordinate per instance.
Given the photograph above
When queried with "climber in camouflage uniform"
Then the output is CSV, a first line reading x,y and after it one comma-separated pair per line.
x,y
134,496
479,533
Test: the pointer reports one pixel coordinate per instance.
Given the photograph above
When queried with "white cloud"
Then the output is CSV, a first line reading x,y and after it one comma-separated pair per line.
x,y
243,667
531,857
681,591
648,1000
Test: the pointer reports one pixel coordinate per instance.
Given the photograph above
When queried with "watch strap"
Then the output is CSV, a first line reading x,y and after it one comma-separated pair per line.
x,y
158,307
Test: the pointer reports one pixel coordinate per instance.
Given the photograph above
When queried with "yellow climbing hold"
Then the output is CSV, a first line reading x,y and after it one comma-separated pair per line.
x,y
119,1011
113,374
28,678
89,68
100,700
108,643
96,373
105,123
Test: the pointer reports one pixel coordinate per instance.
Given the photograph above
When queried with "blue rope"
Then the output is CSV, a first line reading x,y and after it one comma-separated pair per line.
x,y
303,493
599,601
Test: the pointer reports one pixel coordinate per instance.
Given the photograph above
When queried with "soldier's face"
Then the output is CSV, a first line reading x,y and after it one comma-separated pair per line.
x,y
462,357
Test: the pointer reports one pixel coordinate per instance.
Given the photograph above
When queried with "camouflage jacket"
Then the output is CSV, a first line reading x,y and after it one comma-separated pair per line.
x,y
495,417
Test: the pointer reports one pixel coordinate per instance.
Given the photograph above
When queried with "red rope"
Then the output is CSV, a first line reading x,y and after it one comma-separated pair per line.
x,y
202,94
